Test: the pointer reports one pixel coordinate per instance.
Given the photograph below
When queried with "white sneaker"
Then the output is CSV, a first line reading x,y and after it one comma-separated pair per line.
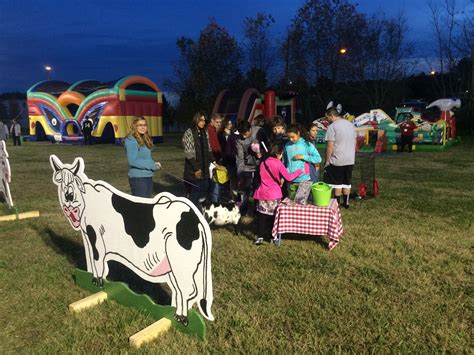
x,y
259,241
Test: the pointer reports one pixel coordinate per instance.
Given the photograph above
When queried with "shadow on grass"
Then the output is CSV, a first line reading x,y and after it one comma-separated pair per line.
x,y
318,239
173,185
64,246
117,272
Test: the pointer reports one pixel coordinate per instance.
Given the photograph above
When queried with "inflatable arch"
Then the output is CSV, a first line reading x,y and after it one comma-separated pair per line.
x,y
57,109
252,103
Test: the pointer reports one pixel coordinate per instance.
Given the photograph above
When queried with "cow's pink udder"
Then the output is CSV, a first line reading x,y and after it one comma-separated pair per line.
x,y
73,214
162,268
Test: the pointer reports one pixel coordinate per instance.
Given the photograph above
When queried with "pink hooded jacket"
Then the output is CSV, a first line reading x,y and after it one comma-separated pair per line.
x,y
269,189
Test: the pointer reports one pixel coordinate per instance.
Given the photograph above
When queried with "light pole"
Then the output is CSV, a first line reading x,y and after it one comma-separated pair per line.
x,y
48,71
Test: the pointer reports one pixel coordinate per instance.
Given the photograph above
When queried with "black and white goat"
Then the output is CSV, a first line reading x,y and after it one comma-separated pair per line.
x,y
221,214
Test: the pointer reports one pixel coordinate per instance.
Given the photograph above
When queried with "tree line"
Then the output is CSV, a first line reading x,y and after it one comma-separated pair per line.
x,y
330,51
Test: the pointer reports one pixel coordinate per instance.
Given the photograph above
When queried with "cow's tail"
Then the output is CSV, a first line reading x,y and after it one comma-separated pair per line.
x,y
205,302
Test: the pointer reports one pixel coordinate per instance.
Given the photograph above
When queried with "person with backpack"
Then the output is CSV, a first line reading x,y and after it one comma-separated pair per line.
x,y
269,192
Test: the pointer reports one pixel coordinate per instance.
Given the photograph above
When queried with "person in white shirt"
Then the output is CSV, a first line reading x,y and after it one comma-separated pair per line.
x,y
15,131
340,155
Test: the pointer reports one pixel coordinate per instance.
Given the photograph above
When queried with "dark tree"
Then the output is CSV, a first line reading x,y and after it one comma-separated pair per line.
x,y
259,48
205,67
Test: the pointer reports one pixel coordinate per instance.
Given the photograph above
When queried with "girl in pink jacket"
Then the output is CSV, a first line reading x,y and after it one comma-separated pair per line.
x,y
269,192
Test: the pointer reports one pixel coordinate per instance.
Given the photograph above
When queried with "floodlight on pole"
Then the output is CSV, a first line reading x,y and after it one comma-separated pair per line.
x,y
48,69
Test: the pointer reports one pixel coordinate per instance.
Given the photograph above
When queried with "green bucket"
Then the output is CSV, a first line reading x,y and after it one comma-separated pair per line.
x,y
292,191
321,194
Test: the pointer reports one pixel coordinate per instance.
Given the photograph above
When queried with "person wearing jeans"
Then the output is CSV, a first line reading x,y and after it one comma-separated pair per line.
x,y
141,166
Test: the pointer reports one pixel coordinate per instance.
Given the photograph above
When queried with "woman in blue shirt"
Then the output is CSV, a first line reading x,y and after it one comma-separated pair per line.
x,y
141,166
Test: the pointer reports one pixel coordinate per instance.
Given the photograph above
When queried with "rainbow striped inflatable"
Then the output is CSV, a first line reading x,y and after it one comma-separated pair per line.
x,y
56,109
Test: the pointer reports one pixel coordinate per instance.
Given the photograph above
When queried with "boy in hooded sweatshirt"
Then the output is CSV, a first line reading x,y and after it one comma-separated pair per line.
x,y
247,160
299,151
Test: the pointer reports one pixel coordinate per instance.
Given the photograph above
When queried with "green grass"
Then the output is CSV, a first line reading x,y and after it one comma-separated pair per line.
x,y
400,280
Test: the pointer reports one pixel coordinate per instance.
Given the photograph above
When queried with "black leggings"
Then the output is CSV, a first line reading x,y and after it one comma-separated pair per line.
x,y
265,225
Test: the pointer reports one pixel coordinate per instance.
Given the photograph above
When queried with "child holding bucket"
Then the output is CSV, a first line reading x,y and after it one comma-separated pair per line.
x,y
269,192
299,151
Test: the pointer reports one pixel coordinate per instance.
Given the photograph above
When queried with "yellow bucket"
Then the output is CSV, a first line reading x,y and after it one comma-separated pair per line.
x,y
221,176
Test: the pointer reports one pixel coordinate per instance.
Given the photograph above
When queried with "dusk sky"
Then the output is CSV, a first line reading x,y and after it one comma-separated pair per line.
x,y
105,40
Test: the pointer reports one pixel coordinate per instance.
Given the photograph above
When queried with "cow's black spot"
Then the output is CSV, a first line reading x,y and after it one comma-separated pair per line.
x,y
203,304
215,214
137,217
229,205
187,229
92,239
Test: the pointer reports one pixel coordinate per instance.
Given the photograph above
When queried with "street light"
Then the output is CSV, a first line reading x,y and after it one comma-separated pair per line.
x,y
48,71
433,72
343,50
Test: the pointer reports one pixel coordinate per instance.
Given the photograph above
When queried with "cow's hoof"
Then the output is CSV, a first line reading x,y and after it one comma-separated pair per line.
x,y
181,319
98,281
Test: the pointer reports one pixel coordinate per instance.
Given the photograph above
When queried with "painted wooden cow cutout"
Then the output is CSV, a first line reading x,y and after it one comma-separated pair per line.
x,y
5,175
163,239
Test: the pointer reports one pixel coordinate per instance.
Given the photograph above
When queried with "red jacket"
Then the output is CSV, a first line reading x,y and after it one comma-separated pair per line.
x,y
214,142
407,128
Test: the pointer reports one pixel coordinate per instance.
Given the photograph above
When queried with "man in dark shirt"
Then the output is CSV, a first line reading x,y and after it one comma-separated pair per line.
x,y
87,130
406,129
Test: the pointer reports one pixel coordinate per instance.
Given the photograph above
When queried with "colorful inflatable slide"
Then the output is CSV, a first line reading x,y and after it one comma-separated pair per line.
x,y
57,109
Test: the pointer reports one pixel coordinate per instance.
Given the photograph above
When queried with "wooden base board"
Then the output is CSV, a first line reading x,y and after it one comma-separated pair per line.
x,y
24,215
150,333
88,302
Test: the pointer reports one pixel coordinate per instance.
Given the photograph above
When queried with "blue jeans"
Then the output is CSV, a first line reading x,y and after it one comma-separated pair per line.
x,y
215,191
141,186
199,191
314,175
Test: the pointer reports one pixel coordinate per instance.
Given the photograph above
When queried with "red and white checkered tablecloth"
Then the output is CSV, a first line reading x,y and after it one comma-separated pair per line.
x,y
308,219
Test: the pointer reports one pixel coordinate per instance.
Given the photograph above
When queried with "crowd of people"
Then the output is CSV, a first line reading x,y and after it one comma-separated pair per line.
x,y
260,160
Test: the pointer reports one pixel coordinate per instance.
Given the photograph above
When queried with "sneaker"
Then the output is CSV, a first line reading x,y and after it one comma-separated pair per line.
x,y
332,244
258,241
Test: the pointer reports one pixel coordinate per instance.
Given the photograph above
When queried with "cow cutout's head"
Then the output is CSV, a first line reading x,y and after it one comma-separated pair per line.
x,y
69,179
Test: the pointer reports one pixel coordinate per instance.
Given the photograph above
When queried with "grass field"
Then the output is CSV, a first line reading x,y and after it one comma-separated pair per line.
x,y
399,281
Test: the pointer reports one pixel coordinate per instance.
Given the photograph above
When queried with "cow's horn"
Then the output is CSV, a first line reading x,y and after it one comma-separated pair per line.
x,y
53,161
76,168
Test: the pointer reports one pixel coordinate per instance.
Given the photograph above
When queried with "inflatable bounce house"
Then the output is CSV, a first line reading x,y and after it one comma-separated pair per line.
x,y
57,109
377,132
252,103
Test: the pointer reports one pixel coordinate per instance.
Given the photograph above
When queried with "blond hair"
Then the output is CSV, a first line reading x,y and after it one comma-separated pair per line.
x,y
142,139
